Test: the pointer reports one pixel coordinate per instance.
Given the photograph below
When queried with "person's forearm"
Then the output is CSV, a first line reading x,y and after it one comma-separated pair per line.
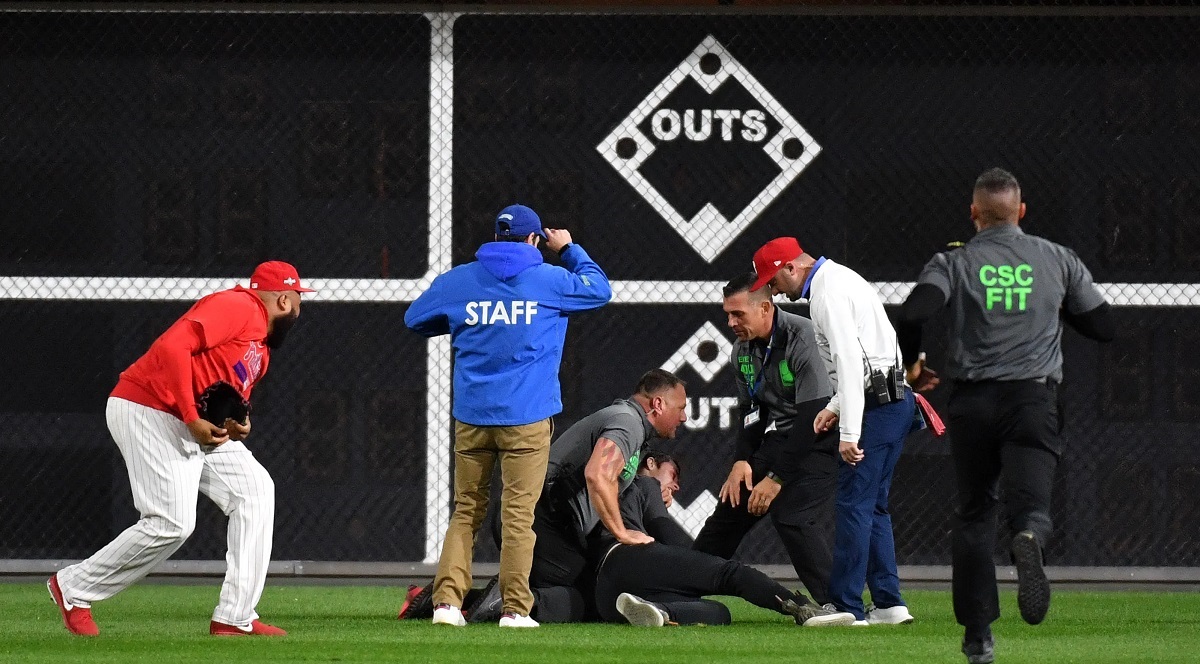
x,y
604,496
1096,324
179,342
666,531
921,305
748,437
775,449
908,336
851,397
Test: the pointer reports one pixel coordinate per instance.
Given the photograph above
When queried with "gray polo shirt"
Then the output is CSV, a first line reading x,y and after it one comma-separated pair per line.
x,y
565,498
795,372
1005,291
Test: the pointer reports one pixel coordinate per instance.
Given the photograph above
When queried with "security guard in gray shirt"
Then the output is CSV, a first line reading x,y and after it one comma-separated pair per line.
x,y
591,464
1008,295
781,467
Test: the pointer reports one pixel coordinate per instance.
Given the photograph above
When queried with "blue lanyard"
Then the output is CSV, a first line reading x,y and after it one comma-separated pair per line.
x,y
757,384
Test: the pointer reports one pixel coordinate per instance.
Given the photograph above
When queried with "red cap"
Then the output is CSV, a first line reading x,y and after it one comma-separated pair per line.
x,y
277,276
771,256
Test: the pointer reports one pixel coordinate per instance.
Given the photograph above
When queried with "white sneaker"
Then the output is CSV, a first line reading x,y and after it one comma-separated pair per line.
x,y
444,614
517,620
640,612
859,623
894,615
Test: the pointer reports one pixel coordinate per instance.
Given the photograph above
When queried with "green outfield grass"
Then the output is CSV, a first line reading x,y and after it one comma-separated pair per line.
x,y
156,623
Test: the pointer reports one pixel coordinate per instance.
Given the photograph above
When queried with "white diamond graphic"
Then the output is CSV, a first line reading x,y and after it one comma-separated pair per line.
x,y
709,233
689,353
692,517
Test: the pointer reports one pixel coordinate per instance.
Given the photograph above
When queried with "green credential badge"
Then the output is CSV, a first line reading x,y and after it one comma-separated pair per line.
x,y
785,374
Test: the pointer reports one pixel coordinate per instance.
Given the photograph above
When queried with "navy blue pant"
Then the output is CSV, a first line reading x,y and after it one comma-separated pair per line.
x,y
864,552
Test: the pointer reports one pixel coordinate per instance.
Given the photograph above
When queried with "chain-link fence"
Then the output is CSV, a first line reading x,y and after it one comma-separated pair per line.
x,y
147,158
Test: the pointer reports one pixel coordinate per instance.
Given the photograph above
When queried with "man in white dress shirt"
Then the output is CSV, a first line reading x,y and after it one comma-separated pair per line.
x,y
873,408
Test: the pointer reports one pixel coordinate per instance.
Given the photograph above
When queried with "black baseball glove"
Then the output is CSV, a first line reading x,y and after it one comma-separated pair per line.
x,y
222,401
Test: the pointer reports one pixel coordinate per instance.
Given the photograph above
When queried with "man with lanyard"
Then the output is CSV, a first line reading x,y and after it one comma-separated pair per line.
x,y
1008,294
782,467
873,409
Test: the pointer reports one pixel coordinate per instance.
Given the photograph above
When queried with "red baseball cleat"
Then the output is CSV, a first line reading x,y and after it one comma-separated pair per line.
x,y
256,629
418,603
77,619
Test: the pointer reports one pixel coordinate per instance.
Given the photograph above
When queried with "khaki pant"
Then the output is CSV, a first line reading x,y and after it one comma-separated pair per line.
x,y
523,452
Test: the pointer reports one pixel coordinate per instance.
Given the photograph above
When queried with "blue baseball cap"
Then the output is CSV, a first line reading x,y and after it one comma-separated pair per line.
x,y
518,220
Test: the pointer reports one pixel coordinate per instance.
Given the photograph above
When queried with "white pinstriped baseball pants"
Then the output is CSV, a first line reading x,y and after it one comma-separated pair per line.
x,y
166,470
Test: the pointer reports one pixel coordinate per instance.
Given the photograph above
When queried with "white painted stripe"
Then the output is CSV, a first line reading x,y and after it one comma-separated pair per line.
x,y
441,141
150,289
147,289
667,292
441,180
437,446
1152,295
895,292
396,573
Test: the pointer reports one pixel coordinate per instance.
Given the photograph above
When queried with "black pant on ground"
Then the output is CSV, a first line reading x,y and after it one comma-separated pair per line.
x,y
802,513
677,579
559,576
559,557
1003,434
559,604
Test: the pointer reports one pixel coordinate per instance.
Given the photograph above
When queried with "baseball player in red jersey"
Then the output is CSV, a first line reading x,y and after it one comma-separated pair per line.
x,y
172,453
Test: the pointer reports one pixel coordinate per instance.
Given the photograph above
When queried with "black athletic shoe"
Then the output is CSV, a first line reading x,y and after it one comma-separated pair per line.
x,y
1033,589
979,651
489,606
811,615
418,603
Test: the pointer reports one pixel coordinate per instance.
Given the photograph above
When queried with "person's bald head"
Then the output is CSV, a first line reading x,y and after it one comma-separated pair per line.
x,y
997,199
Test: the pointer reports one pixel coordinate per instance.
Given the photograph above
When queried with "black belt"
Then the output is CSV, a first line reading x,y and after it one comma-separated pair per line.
x,y
983,381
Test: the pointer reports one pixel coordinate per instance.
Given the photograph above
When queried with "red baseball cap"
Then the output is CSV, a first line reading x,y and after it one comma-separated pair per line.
x,y
277,276
771,256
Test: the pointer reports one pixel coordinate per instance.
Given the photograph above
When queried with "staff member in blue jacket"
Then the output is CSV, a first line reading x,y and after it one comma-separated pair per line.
x,y
506,314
